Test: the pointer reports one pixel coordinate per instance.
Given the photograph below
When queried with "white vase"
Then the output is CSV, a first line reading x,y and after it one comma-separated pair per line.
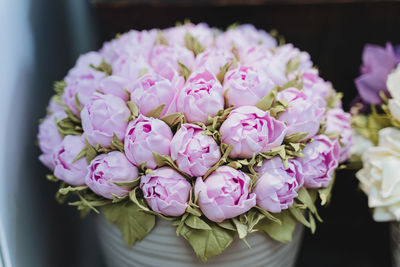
x,y
395,238
163,248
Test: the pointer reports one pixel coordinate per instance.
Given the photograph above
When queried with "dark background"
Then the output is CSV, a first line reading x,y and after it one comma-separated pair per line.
x,y
333,33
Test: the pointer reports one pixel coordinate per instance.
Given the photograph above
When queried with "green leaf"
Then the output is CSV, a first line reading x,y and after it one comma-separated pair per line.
x,y
133,108
185,71
128,184
161,40
298,214
325,193
51,178
117,144
253,218
103,67
305,198
313,225
227,224
133,224
59,87
266,102
295,137
193,210
174,119
208,243
280,232
233,26
292,65
195,222
164,160
193,44
156,112
220,162
222,71
268,215
77,103
241,228
69,189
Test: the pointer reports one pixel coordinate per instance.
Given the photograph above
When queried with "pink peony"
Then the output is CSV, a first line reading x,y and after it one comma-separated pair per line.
x,y
49,138
245,36
108,168
245,86
115,85
83,81
251,131
103,117
202,95
153,90
315,87
66,169
277,186
193,151
202,32
164,60
213,59
319,162
145,136
130,68
339,121
302,115
224,194
166,191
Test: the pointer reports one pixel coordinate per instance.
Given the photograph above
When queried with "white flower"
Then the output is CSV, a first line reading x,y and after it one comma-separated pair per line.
x,y
393,85
380,176
360,144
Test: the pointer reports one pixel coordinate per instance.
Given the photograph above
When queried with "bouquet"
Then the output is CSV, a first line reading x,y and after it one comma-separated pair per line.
x,y
376,122
223,133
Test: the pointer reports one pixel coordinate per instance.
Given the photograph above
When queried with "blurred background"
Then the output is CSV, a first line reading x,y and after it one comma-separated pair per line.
x,y
40,40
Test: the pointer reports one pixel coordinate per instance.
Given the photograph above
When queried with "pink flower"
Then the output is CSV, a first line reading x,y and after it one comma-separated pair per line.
x,y
224,194
275,66
49,138
55,106
202,95
245,86
129,45
164,60
277,186
202,32
193,151
145,136
115,85
315,87
339,121
108,168
103,117
243,37
213,59
319,162
251,131
130,68
166,191
302,115
82,80
153,90
66,169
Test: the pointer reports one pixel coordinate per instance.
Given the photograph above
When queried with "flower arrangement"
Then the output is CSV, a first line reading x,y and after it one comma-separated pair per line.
x,y
376,122
222,133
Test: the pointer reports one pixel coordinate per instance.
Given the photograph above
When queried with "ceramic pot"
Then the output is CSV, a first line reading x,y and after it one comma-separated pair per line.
x,y
163,248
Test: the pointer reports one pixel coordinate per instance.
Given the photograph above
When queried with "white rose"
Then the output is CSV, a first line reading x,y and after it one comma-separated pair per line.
x,y
393,83
380,176
394,107
360,144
